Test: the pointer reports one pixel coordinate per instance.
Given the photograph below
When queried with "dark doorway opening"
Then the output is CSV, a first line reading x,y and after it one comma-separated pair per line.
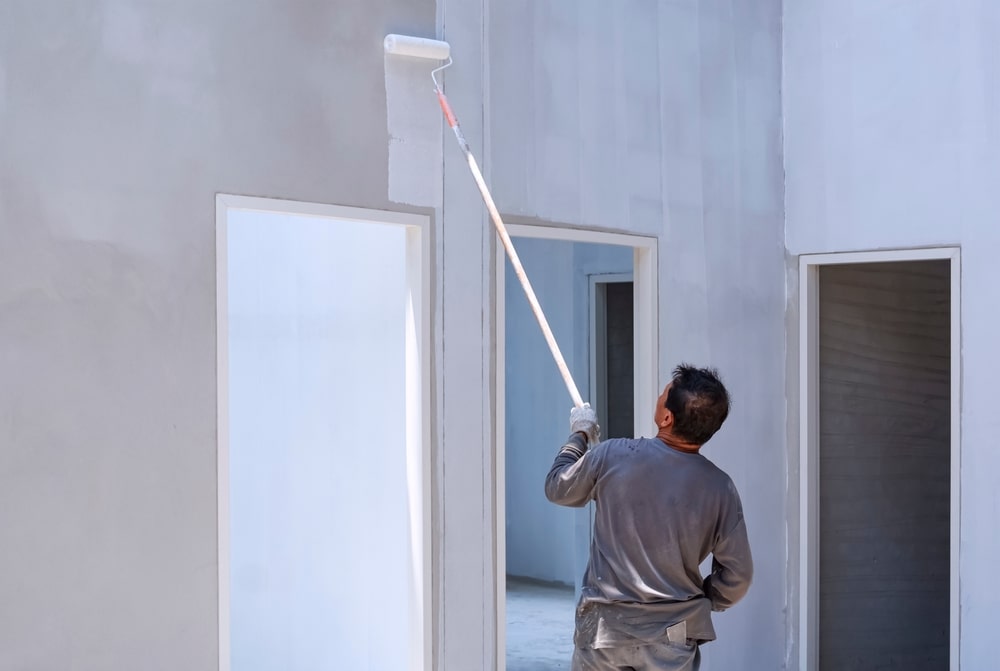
x,y
614,369
885,465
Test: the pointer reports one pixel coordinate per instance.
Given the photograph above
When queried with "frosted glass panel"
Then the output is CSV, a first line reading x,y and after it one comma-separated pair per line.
x,y
319,549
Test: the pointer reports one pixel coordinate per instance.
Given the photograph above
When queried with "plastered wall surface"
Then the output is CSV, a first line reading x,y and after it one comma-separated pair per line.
x,y
892,139
663,118
119,122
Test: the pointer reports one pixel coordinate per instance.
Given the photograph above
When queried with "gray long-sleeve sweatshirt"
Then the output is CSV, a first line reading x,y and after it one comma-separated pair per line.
x,y
659,513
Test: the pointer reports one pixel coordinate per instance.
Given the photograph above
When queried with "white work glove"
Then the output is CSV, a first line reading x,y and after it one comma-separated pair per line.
x,y
584,420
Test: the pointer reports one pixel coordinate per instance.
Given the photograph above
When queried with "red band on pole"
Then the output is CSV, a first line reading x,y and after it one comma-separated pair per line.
x,y
446,108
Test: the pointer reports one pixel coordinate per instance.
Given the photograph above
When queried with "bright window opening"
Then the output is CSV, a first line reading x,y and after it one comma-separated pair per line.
x,y
322,481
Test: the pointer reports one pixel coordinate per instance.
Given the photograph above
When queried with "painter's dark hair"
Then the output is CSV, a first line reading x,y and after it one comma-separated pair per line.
x,y
699,402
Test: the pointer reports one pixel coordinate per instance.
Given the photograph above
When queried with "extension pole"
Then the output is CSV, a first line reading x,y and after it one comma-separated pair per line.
x,y
509,246
420,47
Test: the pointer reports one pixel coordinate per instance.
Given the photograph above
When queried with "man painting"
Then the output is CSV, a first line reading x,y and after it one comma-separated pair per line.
x,y
661,508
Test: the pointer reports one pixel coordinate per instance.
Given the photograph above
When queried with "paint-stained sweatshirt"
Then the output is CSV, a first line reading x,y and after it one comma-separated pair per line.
x,y
659,513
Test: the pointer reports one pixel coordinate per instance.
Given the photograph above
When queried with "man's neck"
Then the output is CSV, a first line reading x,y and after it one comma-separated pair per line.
x,y
673,442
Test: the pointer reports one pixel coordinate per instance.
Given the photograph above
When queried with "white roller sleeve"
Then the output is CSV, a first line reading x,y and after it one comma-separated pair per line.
x,y
416,47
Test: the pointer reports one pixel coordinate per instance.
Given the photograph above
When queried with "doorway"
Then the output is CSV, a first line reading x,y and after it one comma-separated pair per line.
x,y
880,452
543,549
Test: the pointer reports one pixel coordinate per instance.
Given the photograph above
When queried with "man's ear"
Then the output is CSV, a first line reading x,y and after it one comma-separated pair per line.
x,y
667,419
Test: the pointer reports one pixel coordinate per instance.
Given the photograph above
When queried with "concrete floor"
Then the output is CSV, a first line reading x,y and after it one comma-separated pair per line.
x,y
539,626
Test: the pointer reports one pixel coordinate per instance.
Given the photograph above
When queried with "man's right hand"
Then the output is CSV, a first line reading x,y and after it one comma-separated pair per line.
x,y
584,420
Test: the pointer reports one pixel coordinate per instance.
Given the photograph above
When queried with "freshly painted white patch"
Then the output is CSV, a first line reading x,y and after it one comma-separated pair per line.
x,y
414,125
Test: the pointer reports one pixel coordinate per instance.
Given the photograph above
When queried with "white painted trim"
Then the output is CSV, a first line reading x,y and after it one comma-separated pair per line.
x,y
222,424
645,288
418,443
645,314
955,629
598,359
500,463
808,467
295,207
580,235
418,410
880,256
809,301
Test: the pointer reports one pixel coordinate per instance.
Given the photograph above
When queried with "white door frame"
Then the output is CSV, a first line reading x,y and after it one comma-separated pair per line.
x,y
418,410
809,265
646,329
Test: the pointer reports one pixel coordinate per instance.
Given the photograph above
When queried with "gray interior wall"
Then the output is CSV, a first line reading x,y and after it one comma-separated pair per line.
x,y
663,117
892,139
885,465
119,122
574,95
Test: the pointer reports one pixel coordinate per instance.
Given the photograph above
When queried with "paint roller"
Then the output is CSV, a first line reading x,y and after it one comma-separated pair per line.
x,y
423,48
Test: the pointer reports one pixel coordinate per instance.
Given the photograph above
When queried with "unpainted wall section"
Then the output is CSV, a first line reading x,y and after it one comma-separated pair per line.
x,y
119,123
892,139
545,541
662,117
